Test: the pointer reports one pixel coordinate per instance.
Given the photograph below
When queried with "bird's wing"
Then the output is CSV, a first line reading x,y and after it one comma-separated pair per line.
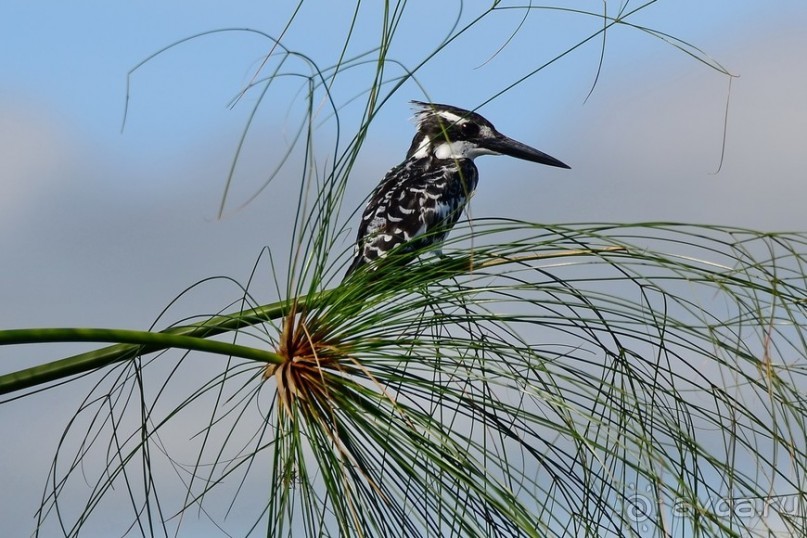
x,y
393,215
413,199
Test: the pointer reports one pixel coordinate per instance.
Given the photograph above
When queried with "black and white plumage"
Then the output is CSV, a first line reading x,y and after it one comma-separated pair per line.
x,y
420,200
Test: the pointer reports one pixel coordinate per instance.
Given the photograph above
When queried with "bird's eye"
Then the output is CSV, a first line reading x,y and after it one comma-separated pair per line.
x,y
469,129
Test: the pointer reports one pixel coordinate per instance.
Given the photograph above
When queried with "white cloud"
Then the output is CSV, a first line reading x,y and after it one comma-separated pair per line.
x,y
34,149
647,144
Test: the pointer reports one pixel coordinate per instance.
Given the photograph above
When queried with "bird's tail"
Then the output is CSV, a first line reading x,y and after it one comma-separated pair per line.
x,y
357,262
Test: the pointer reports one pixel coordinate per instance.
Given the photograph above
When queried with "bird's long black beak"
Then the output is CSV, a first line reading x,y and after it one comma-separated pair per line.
x,y
514,148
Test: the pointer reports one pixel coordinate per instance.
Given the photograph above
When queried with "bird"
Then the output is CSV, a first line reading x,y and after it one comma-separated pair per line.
x,y
418,201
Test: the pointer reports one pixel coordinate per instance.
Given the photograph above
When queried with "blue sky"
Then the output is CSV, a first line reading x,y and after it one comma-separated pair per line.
x,y
103,228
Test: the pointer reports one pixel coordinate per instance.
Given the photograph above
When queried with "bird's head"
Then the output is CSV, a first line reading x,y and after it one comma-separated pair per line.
x,y
448,132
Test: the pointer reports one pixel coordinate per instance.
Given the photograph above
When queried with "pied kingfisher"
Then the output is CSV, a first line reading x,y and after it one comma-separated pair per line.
x,y
420,200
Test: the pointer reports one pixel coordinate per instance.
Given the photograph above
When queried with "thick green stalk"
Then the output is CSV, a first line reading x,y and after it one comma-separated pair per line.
x,y
134,343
